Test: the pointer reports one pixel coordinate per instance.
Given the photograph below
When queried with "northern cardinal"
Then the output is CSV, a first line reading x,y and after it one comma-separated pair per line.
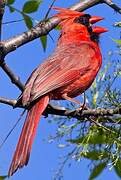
x,y
67,73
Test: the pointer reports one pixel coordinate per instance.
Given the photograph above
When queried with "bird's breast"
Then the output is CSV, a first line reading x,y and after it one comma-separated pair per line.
x,y
77,87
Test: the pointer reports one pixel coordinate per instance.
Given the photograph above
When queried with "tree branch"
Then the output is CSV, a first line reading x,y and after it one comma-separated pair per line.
x,y
40,29
113,5
45,26
14,79
83,5
71,113
2,8
84,114
10,102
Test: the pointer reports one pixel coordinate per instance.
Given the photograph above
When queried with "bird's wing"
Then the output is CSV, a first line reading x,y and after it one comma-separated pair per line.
x,y
66,65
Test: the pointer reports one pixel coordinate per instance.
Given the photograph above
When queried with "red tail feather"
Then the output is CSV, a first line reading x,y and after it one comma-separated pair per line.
x,y
24,145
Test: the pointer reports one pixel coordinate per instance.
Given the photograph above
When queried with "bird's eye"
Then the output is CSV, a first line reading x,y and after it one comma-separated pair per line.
x,y
83,19
79,20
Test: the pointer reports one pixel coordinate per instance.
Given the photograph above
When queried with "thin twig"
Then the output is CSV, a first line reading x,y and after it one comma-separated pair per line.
x,y
83,5
10,102
11,22
113,5
58,173
14,126
2,7
49,9
14,79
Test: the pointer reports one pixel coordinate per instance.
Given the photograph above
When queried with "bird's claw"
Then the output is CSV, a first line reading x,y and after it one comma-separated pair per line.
x,y
81,108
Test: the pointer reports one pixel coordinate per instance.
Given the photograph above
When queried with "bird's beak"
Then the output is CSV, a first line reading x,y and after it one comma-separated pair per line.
x,y
99,30
95,19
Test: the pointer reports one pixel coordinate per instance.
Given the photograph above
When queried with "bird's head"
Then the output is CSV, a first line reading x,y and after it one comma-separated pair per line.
x,y
79,22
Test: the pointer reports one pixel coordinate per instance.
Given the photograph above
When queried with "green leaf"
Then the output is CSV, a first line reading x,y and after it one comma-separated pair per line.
x,y
28,21
94,137
11,9
44,42
117,41
95,155
9,2
31,6
97,170
117,167
3,177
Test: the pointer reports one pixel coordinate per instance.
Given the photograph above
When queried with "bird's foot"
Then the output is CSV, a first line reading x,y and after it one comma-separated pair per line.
x,y
81,108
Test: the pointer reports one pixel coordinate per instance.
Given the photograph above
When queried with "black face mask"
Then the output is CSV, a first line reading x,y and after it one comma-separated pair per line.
x,y
85,21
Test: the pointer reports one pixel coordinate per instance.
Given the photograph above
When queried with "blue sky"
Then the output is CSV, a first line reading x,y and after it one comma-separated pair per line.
x,y
44,157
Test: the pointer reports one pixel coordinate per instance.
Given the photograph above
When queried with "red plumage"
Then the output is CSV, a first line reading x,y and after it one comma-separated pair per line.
x,y
68,72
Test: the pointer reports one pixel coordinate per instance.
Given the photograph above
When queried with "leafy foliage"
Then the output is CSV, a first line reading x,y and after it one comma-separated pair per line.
x,y
3,177
97,170
44,42
117,41
9,2
31,6
117,167
28,21
97,139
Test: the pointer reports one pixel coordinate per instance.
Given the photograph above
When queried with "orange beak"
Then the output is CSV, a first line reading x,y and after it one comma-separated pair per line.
x,y
95,19
99,30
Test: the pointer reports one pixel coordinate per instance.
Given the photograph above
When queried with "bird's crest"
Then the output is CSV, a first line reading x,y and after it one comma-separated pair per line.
x,y
67,13
81,17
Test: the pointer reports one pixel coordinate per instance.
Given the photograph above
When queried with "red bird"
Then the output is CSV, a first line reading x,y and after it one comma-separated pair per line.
x,y
67,73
